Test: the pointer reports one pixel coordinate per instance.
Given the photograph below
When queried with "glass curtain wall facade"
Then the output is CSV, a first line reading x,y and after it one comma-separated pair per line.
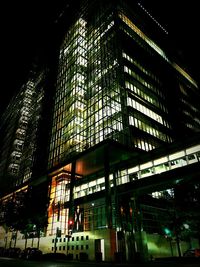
x,y
15,122
87,104
19,126
26,171
114,82
70,104
118,95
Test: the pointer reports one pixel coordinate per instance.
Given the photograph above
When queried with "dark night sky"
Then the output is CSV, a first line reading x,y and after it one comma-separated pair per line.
x,y
25,29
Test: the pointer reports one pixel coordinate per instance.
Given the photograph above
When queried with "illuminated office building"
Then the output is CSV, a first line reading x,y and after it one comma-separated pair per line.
x,y
119,96
114,83
18,134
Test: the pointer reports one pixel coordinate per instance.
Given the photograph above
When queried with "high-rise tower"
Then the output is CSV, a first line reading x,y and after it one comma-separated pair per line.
x,y
122,106
19,128
115,82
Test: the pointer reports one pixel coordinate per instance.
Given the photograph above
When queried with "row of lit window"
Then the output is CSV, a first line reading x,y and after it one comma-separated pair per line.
x,y
16,157
96,103
136,105
77,39
29,91
70,101
13,168
195,121
95,138
106,126
189,125
65,116
99,46
130,24
156,48
105,74
139,66
166,163
98,131
144,96
26,177
72,36
79,51
148,129
142,81
183,90
77,247
102,113
144,170
72,145
72,63
65,133
79,24
18,144
121,178
144,145
189,105
77,238
97,34
67,79
71,43
89,188
59,147
66,70
27,101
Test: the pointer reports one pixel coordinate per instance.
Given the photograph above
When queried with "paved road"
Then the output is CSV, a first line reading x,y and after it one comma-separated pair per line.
x,y
9,262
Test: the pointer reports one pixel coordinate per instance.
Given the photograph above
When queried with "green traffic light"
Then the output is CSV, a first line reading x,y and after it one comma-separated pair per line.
x,y
167,231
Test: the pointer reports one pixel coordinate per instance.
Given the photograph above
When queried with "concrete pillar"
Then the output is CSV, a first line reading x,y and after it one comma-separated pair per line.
x,y
141,254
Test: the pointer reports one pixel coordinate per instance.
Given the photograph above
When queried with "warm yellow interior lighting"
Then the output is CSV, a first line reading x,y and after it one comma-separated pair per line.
x,y
155,47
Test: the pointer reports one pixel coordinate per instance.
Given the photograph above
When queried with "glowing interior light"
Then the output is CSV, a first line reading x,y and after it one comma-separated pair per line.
x,y
185,74
156,48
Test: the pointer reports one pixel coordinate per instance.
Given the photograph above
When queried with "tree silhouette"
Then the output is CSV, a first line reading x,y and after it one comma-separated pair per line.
x,y
26,211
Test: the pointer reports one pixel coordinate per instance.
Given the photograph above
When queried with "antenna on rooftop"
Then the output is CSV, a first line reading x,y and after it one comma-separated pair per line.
x,y
147,12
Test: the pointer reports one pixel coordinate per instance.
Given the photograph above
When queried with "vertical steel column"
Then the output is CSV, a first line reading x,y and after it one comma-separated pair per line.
x,y
71,196
107,188
141,253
